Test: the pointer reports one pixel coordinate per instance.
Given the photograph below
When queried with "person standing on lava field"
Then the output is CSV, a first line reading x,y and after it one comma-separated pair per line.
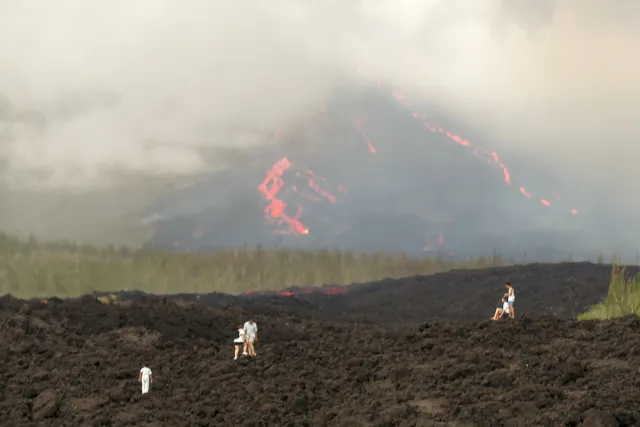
x,y
511,299
145,377
251,329
240,342
501,311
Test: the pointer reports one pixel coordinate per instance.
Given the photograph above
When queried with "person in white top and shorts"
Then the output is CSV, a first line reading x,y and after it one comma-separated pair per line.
x,y
251,329
501,311
145,377
240,342
511,298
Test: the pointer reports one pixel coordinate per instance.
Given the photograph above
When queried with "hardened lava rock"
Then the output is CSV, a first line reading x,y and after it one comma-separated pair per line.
x,y
76,362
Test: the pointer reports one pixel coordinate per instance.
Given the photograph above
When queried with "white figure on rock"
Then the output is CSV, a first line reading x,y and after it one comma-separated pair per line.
x,y
500,312
145,377
511,299
239,342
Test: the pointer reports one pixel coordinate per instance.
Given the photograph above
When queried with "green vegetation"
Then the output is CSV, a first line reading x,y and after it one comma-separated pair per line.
x,y
623,298
29,268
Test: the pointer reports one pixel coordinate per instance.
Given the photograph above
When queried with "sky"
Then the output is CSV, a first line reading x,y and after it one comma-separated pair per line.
x,y
92,89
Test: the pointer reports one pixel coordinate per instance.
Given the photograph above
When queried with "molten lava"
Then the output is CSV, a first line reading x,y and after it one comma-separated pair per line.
x,y
327,290
309,188
358,125
490,157
307,185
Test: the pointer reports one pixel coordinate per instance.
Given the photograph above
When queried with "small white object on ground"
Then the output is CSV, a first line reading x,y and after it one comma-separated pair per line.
x,y
145,379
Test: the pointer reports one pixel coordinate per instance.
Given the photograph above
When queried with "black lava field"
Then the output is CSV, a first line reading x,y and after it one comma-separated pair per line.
x,y
418,351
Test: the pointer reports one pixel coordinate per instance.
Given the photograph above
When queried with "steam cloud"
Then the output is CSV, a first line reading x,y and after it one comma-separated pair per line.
x,y
93,88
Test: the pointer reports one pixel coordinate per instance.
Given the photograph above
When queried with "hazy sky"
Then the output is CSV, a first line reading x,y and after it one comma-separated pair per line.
x,y
88,87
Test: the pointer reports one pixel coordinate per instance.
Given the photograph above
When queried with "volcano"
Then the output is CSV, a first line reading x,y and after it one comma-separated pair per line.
x,y
369,170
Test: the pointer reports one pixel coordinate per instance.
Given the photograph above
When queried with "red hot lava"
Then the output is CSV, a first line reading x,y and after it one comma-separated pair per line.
x,y
278,211
327,290
491,157
306,184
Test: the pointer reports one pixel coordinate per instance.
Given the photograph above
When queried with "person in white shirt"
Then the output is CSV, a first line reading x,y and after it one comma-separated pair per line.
x,y
240,342
511,298
145,377
501,311
251,329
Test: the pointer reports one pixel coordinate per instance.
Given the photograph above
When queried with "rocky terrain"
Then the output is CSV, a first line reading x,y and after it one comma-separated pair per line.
x,y
413,352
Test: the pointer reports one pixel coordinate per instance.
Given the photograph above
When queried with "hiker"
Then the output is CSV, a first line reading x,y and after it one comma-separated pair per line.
x,y
501,311
240,342
145,377
251,329
511,298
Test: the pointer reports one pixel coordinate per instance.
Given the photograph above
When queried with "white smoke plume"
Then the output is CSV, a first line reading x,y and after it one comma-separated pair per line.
x,y
92,88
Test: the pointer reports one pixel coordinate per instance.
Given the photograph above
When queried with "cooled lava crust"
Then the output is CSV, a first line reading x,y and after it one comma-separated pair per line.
x,y
418,351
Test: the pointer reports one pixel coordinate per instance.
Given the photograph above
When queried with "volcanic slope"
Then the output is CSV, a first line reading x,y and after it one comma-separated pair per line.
x,y
321,183
563,290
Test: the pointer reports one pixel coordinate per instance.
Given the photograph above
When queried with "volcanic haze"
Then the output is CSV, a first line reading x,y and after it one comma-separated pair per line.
x,y
98,98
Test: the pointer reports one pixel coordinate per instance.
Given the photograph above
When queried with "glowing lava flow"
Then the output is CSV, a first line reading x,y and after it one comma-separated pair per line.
x,y
275,209
428,244
358,125
270,188
308,184
327,290
490,157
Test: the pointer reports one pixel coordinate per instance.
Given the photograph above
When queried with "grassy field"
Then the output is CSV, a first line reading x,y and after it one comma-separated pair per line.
x,y
29,268
623,298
